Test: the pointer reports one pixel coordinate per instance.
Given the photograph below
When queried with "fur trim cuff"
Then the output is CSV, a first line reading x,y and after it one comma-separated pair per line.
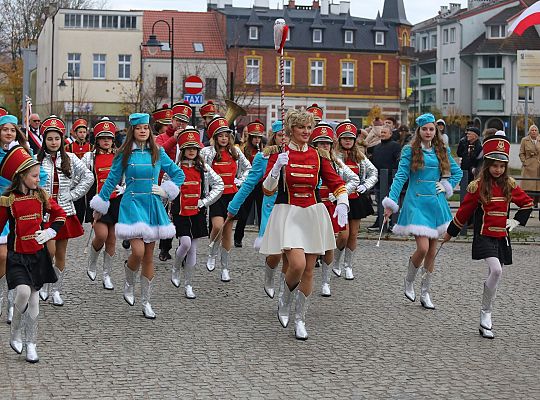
x,y
391,204
420,230
447,188
143,231
3,239
171,189
98,204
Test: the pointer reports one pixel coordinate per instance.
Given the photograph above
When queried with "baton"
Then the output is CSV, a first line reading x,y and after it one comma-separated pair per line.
x,y
380,233
439,249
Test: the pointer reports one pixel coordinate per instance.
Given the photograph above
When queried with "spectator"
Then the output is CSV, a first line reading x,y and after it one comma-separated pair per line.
x,y
404,135
385,156
470,149
392,124
120,137
441,127
374,134
33,133
529,154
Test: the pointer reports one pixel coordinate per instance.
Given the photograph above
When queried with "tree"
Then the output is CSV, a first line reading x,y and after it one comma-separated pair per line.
x,y
374,113
11,84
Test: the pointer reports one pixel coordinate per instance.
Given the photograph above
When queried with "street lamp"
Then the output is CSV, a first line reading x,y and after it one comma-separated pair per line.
x,y
153,45
62,85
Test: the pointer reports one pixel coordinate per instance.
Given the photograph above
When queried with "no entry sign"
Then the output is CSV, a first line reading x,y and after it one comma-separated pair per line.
x,y
193,85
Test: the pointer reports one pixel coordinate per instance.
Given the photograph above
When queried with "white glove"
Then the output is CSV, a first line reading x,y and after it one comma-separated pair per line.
x,y
511,224
120,189
200,204
331,197
45,235
361,189
156,189
439,188
237,182
282,160
342,213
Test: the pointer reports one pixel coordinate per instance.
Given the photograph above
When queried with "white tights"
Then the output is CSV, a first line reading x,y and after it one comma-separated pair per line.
x,y
187,249
494,272
27,296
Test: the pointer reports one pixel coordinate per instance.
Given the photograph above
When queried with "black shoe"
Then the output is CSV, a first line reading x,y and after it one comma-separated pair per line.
x,y
373,228
164,255
126,244
237,244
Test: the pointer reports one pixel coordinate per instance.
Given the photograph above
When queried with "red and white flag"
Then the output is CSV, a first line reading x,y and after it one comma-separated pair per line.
x,y
528,18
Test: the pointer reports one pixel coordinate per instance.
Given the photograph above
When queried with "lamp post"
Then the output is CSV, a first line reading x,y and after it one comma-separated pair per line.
x,y
154,45
62,85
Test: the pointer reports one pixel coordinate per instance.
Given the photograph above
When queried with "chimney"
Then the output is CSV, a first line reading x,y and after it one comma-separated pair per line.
x,y
344,7
455,6
220,3
334,9
325,7
291,4
444,10
315,5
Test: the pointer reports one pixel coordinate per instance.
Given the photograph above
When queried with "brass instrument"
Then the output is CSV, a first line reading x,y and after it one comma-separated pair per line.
x,y
233,111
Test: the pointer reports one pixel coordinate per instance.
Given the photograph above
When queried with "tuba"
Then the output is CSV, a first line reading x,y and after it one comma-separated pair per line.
x,y
233,111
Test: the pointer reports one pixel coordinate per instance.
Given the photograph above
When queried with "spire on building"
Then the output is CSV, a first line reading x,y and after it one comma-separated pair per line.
x,y
394,11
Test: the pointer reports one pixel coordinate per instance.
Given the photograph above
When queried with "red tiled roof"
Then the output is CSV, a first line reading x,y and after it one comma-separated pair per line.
x,y
189,28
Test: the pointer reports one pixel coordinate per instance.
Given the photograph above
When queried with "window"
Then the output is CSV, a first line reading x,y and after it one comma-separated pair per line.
x,y
198,47
445,65
161,86
404,83
91,21
452,65
128,22
521,93
74,65
492,92
317,35
316,73
253,33
98,66
124,66
425,44
452,35
497,31
492,61
452,95
252,71
445,36
210,88
349,37
433,41
445,95
413,42
347,74
109,21
72,20
379,38
287,72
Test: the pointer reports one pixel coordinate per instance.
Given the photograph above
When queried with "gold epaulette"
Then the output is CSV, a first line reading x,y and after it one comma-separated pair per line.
x,y
512,182
269,150
324,154
473,186
7,201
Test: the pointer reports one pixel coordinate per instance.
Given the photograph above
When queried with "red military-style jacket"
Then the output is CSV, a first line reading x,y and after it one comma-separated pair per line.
x,y
102,167
78,149
24,213
191,192
226,168
492,216
298,185
168,142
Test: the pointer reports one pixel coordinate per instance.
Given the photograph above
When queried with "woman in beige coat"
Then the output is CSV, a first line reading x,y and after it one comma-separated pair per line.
x,y
529,154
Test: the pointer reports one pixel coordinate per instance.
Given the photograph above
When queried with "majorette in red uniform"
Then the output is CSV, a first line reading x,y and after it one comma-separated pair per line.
x,y
99,161
162,118
322,138
490,208
233,167
300,224
201,188
29,265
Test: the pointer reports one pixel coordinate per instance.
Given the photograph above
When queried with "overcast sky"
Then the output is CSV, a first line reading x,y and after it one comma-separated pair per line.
x,y
417,10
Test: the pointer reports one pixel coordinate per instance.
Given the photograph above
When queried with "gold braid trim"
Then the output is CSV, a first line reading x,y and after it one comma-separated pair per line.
x,y
268,151
473,186
7,201
324,154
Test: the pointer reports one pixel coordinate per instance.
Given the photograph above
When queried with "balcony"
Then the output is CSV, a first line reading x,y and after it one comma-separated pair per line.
x,y
491,73
490,105
407,51
428,80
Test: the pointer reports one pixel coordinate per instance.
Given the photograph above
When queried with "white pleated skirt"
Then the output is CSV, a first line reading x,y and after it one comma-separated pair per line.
x,y
293,227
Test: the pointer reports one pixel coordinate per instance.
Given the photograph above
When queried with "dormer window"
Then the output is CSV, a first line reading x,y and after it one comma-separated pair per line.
x,y
253,33
497,31
349,37
317,35
379,38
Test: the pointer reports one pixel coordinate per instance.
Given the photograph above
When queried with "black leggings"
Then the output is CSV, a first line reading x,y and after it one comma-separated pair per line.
x,y
255,196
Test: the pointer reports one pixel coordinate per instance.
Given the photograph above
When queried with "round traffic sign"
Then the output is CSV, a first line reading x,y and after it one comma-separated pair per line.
x,y
193,85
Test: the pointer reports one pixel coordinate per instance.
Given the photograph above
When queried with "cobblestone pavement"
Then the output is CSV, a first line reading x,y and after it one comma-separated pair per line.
x,y
367,341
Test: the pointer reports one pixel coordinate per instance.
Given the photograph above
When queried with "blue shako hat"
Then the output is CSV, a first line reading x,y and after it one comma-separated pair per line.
x,y
139,118
8,119
425,119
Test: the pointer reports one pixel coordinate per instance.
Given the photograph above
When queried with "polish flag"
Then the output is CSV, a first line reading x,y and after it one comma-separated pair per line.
x,y
528,18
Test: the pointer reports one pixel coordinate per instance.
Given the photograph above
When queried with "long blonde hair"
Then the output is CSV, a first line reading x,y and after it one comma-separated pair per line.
x,y
440,151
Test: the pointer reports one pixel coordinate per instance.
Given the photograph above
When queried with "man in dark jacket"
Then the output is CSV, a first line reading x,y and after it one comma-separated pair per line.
x,y
470,149
385,156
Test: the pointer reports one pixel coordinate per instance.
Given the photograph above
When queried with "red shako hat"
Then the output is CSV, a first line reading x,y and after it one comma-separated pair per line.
x,y
53,123
104,128
497,148
182,111
217,125
189,137
208,109
80,123
162,115
16,160
346,129
255,128
322,132
316,111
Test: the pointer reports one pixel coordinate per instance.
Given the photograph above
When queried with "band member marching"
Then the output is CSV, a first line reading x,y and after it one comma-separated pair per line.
x,y
68,180
432,173
208,111
142,217
162,118
233,167
201,188
322,138
23,207
359,201
80,146
488,200
99,161
290,228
